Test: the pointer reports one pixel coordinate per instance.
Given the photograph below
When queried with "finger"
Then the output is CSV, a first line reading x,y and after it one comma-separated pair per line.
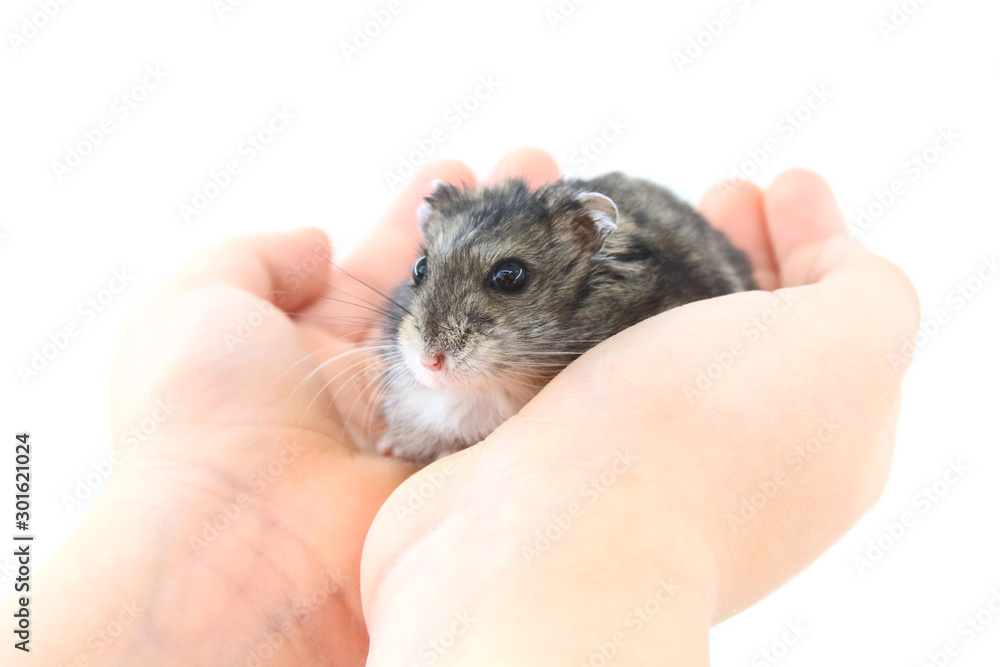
x,y
532,164
812,247
361,286
350,378
288,269
208,319
802,214
737,209
384,257
860,292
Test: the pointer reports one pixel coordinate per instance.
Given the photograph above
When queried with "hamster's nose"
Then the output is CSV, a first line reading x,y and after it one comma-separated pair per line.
x,y
433,361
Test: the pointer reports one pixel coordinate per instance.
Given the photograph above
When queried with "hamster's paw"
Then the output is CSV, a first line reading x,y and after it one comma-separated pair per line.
x,y
391,444
388,445
412,446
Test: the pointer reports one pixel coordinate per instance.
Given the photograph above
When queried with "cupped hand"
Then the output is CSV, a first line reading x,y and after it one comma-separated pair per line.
x,y
671,476
665,479
231,530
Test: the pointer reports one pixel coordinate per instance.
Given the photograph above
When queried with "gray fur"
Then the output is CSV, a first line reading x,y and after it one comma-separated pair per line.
x,y
588,281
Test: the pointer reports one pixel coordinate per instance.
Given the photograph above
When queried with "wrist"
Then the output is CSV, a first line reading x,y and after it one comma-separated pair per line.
x,y
83,608
577,619
143,578
665,620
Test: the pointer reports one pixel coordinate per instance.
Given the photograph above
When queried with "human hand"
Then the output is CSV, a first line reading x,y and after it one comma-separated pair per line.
x,y
231,531
255,430
671,476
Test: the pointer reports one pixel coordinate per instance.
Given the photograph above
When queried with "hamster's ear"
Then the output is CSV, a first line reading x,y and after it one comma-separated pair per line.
x,y
424,212
440,192
597,218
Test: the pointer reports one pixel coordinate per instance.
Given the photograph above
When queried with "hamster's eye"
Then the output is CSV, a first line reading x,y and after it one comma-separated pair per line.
x,y
509,276
420,271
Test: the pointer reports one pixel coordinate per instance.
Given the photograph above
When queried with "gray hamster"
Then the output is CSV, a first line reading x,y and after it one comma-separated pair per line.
x,y
514,283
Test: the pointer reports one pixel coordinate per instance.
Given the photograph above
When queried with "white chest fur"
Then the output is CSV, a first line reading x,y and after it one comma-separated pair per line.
x,y
459,414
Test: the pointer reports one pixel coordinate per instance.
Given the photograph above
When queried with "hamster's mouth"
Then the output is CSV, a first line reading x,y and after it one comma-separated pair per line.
x,y
455,372
433,365
444,377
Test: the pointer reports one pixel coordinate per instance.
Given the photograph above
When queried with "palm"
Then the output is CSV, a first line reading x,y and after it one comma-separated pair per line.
x,y
256,474
237,522
691,460
255,470
258,470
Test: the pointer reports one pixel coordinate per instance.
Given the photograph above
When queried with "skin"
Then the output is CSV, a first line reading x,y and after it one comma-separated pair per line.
x,y
660,526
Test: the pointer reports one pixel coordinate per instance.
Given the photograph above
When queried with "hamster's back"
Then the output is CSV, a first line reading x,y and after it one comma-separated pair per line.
x,y
670,253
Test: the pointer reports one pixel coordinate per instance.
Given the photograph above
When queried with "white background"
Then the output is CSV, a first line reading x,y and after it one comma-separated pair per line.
x,y
559,83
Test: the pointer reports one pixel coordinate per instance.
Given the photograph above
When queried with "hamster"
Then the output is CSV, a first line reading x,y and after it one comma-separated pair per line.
x,y
514,283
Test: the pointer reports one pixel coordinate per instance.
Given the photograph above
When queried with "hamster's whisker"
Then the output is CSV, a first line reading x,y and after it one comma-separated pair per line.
x,y
372,288
361,303
372,406
346,296
380,390
369,306
306,357
329,261
368,322
320,367
374,361
383,388
365,365
352,330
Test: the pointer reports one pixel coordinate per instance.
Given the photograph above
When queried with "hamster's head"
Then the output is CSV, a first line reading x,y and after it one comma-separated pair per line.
x,y
494,298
